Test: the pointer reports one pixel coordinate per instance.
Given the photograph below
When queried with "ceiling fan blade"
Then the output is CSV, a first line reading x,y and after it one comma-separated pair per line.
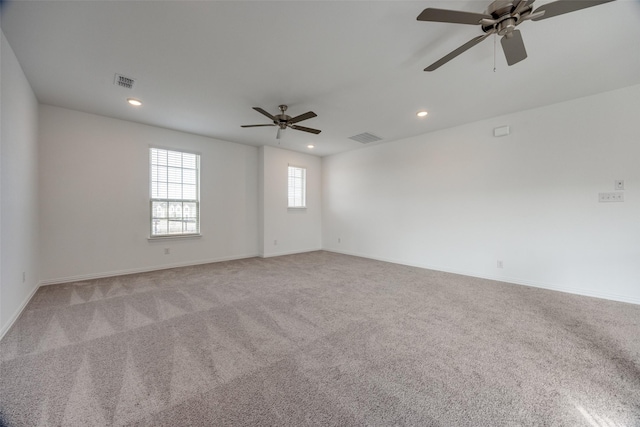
x,y
261,111
468,45
452,16
255,126
513,47
305,129
301,117
565,6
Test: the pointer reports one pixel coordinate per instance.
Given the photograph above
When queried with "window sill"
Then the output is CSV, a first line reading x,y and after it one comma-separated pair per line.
x,y
296,208
177,236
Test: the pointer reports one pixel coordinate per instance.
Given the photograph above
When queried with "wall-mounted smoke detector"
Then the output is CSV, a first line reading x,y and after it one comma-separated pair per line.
x,y
123,81
365,138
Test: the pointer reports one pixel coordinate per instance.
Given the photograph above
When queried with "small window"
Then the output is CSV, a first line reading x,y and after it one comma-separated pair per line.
x,y
297,187
175,193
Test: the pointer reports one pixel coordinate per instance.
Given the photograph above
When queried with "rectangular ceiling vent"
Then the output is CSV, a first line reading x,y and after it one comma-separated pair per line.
x,y
123,81
365,138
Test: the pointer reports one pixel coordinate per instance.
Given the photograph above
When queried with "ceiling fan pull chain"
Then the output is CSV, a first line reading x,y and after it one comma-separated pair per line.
x,y
495,38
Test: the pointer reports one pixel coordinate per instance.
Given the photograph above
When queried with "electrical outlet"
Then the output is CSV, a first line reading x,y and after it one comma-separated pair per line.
x,y
167,251
499,264
610,197
619,184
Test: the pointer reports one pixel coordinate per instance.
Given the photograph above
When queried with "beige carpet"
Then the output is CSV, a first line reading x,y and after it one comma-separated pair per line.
x,y
318,339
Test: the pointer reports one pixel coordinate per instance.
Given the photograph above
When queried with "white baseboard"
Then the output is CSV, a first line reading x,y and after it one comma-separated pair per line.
x,y
104,274
302,251
512,280
18,312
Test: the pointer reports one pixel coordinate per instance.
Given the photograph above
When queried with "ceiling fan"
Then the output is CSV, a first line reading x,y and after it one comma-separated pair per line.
x,y
501,18
284,121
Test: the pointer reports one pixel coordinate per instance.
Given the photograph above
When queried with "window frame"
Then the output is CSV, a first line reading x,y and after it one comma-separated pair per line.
x,y
168,200
303,187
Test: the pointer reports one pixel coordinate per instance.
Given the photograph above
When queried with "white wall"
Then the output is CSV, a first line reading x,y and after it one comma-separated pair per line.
x,y
460,199
18,188
286,231
94,197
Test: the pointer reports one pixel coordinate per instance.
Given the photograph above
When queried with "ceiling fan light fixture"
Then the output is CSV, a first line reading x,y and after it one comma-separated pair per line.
x,y
422,113
134,102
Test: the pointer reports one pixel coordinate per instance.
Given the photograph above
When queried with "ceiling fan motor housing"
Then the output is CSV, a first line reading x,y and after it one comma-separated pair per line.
x,y
504,20
500,8
282,119
506,27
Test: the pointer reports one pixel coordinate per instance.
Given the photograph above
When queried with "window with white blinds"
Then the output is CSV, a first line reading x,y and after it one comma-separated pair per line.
x,y
175,193
297,187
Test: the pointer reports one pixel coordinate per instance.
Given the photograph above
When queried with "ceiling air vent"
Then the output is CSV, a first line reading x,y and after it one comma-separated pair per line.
x,y
365,138
123,81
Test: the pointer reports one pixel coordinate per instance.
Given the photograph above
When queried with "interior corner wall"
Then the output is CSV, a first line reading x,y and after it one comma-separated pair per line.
x,y
460,199
19,251
261,183
94,198
287,231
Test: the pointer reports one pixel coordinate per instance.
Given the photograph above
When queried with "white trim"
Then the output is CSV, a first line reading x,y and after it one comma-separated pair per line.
x,y
510,280
302,251
18,312
175,236
82,277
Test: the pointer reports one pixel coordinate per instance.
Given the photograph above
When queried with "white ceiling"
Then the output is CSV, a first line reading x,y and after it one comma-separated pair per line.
x,y
200,66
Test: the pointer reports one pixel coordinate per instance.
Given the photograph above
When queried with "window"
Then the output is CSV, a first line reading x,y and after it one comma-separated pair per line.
x,y
297,187
175,193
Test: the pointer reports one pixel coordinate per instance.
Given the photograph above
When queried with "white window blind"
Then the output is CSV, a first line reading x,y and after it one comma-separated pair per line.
x,y
175,193
297,187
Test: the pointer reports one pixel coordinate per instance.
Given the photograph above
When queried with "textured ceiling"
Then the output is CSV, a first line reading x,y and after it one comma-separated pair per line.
x,y
201,66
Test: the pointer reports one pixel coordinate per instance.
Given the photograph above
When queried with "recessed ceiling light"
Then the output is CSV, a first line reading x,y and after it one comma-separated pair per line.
x,y
134,102
310,146
421,113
